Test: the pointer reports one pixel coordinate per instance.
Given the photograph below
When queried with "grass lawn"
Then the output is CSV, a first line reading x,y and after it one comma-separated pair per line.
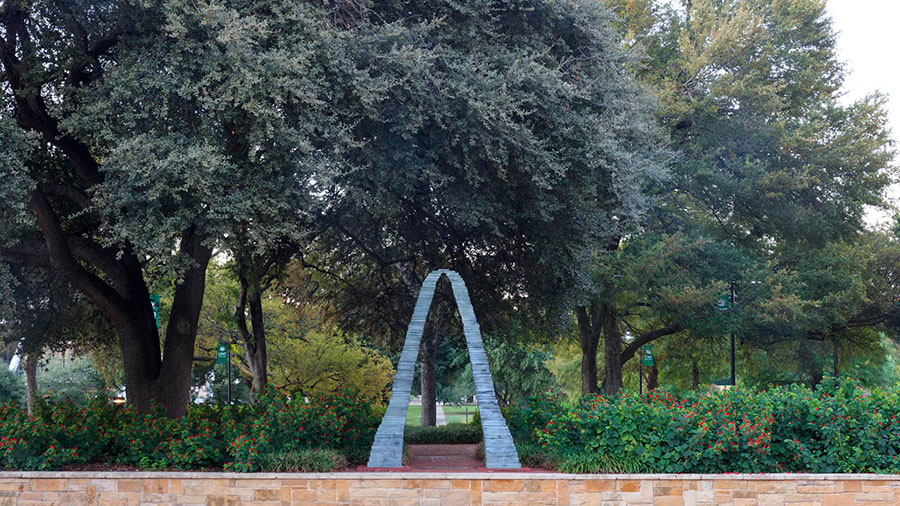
x,y
414,415
457,414
454,414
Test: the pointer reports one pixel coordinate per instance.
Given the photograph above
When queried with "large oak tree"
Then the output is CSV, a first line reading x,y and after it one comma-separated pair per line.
x,y
513,140
772,170
143,135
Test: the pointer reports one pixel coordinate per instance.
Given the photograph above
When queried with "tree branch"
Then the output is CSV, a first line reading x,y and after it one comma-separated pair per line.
x,y
31,110
68,191
103,258
647,337
31,252
62,258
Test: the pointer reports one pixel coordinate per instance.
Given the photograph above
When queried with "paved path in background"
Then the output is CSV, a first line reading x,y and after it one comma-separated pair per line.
x,y
440,417
444,458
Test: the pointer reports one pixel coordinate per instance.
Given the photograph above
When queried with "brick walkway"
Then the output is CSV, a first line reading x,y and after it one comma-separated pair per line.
x,y
444,458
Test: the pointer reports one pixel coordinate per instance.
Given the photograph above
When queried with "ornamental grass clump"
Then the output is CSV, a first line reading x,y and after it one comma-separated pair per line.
x,y
309,460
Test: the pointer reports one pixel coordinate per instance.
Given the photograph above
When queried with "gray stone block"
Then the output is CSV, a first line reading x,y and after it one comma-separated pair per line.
x,y
499,450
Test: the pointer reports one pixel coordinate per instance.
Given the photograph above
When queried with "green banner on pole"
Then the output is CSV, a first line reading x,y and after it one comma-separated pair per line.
x,y
723,303
156,302
647,358
221,354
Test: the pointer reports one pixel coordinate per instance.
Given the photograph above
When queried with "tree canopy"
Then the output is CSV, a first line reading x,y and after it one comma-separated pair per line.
x,y
604,170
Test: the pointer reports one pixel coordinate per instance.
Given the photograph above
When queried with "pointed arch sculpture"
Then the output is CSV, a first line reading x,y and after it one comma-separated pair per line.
x,y
499,450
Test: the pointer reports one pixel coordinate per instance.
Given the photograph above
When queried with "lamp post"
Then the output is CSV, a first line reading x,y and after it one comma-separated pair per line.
x,y
628,339
731,308
726,303
223,356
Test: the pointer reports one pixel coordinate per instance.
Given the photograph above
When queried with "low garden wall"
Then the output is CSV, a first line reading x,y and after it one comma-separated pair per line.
x,y
265,489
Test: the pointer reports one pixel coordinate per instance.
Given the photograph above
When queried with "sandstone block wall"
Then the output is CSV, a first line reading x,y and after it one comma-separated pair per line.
x,y
433,489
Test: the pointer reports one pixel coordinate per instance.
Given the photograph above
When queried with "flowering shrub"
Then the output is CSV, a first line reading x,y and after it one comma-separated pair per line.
x,y
342,421
838,427
56,436
154,441
233,437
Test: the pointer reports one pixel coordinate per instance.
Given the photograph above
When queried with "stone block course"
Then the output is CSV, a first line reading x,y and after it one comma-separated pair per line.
x,y
449,489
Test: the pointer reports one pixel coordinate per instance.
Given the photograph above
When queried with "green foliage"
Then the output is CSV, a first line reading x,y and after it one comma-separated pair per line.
x,y
519,368
507,140
62,433
752,101
838,427
16,184
324,360
456,433
73,378
306,355
512,139
217,379
585,463
58,434
309,460
342,421
535,456
168,129
223,129
12,386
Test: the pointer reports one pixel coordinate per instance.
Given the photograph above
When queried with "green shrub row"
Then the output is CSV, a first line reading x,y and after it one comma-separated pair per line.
x,y
838,427
277,431
454,433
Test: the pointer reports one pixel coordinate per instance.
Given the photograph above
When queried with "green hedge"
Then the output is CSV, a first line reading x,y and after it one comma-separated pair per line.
x,y
838,427
455,433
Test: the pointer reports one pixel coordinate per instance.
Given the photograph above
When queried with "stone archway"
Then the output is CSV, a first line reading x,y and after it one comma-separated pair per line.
x,y
499,450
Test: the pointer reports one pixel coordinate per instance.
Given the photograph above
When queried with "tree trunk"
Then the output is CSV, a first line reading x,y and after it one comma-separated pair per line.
x,y
125,298
140,360
173,386
254,337
258,356
589,368
835,359
427,380
695,375
31,386
807,364
652,377
612,350
589,337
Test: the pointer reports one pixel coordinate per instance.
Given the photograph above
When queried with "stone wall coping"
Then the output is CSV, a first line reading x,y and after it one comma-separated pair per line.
x,y
434,476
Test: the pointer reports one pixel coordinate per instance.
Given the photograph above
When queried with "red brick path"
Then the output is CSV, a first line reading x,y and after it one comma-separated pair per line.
x,y
444,458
